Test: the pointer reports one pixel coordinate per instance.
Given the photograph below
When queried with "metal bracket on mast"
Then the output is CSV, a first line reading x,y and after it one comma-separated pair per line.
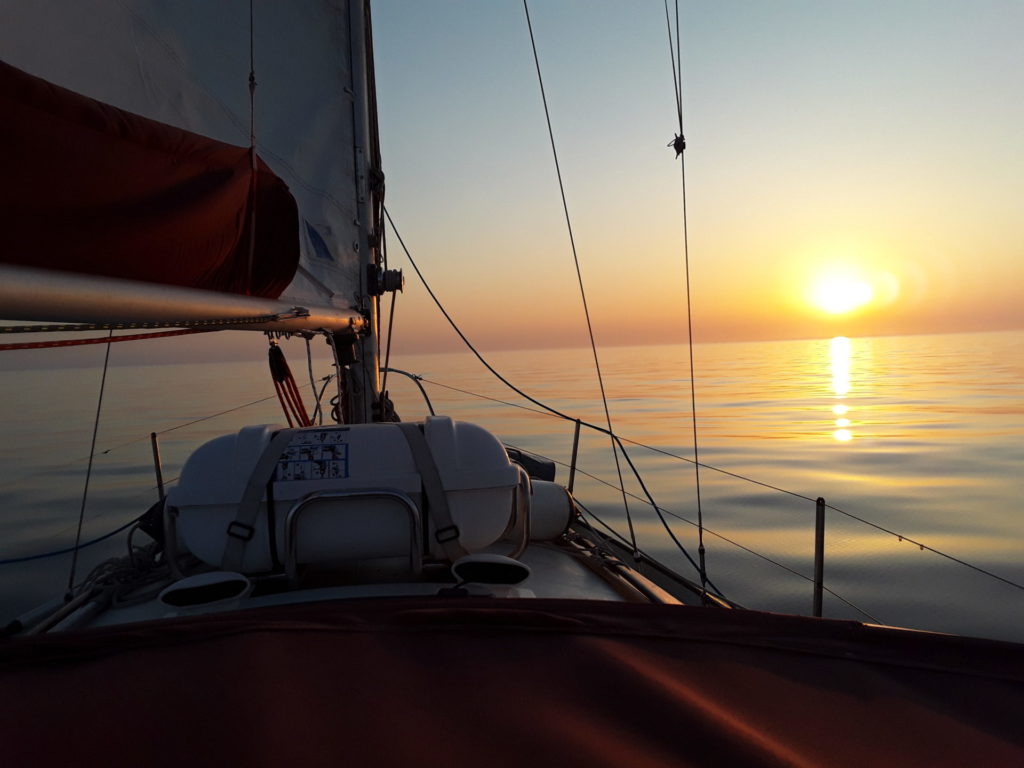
x,y
380,281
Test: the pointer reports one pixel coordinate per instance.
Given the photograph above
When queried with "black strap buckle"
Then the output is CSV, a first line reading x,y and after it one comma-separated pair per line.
x,y
241,531
444,535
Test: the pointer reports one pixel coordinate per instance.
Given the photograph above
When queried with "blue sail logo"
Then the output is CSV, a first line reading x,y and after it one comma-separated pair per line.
x,y
320,249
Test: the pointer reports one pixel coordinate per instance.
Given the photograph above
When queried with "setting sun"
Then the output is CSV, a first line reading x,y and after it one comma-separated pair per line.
x,y
838,293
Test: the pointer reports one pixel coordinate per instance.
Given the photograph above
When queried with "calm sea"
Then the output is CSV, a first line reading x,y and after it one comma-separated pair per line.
x,y
922,436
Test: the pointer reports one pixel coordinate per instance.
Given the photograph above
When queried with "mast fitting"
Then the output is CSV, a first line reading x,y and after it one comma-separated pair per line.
x,y
380,281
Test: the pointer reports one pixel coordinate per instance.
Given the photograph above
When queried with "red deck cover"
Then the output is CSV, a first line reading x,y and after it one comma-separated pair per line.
x,y
482,682
90,188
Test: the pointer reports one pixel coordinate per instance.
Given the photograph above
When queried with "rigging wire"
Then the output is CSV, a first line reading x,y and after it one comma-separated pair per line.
x,y
554,412
88,475
675,73
501,378
717,535
784,567
679,144
735,475
576,261
418,379
253,166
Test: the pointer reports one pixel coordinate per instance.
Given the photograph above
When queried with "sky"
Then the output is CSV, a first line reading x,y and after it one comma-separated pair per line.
x,y
853,168
875,145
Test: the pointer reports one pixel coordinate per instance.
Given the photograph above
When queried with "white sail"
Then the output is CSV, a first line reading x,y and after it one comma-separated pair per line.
x,y
187,63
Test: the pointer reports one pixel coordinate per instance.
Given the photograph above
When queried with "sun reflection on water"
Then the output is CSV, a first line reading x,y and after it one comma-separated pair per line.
x,y
841,354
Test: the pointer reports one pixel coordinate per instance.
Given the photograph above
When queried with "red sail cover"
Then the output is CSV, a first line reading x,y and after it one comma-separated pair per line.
x,y
86,187
478,682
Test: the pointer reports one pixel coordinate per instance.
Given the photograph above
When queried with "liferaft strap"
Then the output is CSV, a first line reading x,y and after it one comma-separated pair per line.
x,y
446,533
242,528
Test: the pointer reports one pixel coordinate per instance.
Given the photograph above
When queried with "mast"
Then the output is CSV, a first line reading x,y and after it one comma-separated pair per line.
x,y
360,354
131,198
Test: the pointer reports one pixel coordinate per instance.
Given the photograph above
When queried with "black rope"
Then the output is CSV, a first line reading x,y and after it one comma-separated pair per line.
x,y
615,439
88,475
318,411
312,379
576,261
455,327
387,346
367,416
417,380
675,540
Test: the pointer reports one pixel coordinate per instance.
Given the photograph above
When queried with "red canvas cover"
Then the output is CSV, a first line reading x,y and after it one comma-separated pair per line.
x,y
90,188
478,682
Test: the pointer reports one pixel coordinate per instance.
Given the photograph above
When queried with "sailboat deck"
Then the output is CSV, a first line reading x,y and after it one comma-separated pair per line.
x,y
555,573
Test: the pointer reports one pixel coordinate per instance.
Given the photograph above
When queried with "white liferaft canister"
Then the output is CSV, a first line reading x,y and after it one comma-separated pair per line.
x,y
475,472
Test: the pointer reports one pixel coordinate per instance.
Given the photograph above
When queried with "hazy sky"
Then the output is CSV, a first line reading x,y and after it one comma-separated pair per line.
x,y
879,139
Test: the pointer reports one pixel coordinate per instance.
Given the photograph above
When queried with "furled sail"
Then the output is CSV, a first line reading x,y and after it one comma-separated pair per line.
x,y
94,189
186,64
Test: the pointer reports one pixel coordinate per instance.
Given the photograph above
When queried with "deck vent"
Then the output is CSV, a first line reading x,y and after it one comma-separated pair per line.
x,y
206,588
490,569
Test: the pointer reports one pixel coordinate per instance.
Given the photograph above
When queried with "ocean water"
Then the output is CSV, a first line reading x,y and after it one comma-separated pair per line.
x,y
915,439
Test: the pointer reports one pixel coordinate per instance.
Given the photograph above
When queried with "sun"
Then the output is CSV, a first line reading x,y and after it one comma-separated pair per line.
x,y
839,292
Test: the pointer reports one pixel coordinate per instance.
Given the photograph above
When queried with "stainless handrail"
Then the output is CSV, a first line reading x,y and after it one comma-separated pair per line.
x,y
291,521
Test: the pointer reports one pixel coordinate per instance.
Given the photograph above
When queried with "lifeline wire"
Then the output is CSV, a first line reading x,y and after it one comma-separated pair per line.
x,y
88,475
579,272
680,146
551,412
901,537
